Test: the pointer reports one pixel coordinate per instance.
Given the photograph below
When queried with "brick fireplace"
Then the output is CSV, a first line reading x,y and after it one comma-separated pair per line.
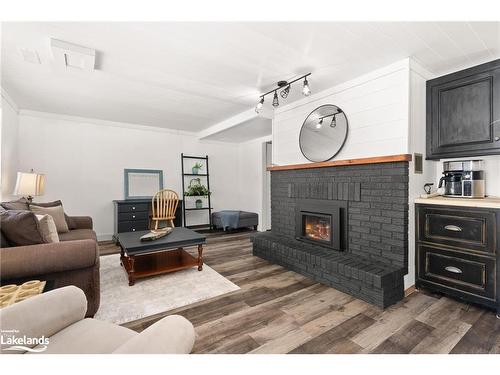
x,y
342,225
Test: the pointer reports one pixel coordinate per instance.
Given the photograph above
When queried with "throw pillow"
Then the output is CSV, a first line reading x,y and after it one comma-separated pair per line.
x,y
71,223
20,204
57,214
47,228
20,227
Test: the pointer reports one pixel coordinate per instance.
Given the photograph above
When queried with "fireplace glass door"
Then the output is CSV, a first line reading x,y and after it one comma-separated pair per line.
x,y
317,227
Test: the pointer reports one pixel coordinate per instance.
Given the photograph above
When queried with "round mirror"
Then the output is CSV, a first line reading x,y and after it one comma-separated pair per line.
x,y
323,133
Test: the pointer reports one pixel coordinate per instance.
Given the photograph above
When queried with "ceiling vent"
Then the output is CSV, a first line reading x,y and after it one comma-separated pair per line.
x,y
30,55
73,56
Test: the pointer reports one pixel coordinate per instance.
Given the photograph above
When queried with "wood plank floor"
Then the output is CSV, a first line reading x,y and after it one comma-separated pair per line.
x,y
280,311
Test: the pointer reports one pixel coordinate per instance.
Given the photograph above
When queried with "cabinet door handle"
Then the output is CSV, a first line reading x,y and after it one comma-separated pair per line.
x,y
133,207
133,216
453,228
453,269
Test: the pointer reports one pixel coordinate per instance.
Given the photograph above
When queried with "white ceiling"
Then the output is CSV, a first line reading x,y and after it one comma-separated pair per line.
x,y
191,76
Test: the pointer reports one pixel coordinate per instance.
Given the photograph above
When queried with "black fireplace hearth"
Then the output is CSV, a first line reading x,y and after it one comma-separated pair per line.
x,y
344,226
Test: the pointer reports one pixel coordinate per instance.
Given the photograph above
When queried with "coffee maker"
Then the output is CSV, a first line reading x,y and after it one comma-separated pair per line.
x,y
463,178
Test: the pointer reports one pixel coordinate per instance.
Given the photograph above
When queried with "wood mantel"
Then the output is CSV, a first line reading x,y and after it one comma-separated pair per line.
x,y
337,163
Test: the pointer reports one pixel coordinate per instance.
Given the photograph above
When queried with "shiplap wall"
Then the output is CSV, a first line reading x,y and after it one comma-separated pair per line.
x,y
376,106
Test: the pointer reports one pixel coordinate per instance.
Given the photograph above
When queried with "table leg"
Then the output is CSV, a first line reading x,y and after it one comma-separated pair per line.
x,y
200,257
131,278
122,255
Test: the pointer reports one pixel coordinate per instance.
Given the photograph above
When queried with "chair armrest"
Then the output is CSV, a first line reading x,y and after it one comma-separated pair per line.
x,y
43,315
81,222
24,261
173,334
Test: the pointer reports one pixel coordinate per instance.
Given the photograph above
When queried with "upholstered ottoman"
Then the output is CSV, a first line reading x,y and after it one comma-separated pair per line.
x,y
230,219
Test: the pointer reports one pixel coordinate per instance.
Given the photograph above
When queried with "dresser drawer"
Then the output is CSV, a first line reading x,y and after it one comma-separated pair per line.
x,y
133,216
460,271
468,229
133,207
133,226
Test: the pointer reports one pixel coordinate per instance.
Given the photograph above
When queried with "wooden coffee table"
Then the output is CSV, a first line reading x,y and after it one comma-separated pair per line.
x,y
147,258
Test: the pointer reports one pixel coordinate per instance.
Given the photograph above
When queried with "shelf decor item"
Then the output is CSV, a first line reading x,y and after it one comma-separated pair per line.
x,y
199,203
156,234
196,189
199,188
196,168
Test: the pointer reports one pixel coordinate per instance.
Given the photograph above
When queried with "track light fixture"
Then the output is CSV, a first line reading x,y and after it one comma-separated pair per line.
x,y
306,90
259,105
275,100
284,93
333,123
284,86
319,125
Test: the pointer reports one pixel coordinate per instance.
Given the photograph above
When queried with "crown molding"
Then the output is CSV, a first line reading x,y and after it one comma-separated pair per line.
x,y
94,121
9,100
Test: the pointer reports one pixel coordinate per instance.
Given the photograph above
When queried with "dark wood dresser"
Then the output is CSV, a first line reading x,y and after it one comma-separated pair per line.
x,y
132,215
457,250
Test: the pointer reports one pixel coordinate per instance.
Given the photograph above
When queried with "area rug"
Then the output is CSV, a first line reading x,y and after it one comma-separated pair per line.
x,y
121,303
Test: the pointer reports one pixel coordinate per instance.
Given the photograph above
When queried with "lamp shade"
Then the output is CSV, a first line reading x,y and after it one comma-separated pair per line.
x,y
29,184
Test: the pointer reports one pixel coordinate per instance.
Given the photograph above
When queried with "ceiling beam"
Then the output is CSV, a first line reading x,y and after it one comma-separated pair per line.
x,y
235,121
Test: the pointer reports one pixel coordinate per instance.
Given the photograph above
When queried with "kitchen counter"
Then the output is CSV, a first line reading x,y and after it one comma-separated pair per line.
x,y
488,202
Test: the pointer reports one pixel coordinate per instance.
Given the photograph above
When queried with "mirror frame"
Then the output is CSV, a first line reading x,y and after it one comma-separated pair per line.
x,y
126,181
343,142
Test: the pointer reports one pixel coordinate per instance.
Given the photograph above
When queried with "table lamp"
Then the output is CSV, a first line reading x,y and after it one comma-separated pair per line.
x,y
29,184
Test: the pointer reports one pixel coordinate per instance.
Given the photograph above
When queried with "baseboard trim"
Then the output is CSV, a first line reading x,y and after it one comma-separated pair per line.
x,y
410,290
104,237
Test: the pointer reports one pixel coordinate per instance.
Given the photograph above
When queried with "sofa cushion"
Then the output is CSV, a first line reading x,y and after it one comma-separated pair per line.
x,y
71,223
20,204
23,204
20,227
78,234
3,241
89,336
57,214
47,228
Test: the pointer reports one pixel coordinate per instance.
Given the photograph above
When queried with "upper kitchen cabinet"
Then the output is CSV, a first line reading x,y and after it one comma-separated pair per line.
x,y
463,113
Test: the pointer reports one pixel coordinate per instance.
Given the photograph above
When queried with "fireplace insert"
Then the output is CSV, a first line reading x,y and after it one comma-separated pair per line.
x,y
321,222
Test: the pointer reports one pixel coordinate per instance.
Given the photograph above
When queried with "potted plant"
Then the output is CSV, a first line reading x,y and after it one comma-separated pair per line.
x,y
196,168
199,203
196,189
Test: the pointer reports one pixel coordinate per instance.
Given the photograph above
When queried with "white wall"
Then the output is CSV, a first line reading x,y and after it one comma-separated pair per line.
x,y
251,168
9,143
416,144
83,160
376,106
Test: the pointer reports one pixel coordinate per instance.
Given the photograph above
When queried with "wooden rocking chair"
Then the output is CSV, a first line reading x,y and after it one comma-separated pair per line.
x,y
164,204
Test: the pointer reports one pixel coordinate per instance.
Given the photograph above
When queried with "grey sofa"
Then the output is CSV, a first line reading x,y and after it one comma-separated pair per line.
x,y
58,315
73,261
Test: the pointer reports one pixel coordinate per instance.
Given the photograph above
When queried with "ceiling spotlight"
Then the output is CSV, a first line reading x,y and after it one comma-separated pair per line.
x,y
319,124
334,122
284,93
275,100
306,90
259,105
